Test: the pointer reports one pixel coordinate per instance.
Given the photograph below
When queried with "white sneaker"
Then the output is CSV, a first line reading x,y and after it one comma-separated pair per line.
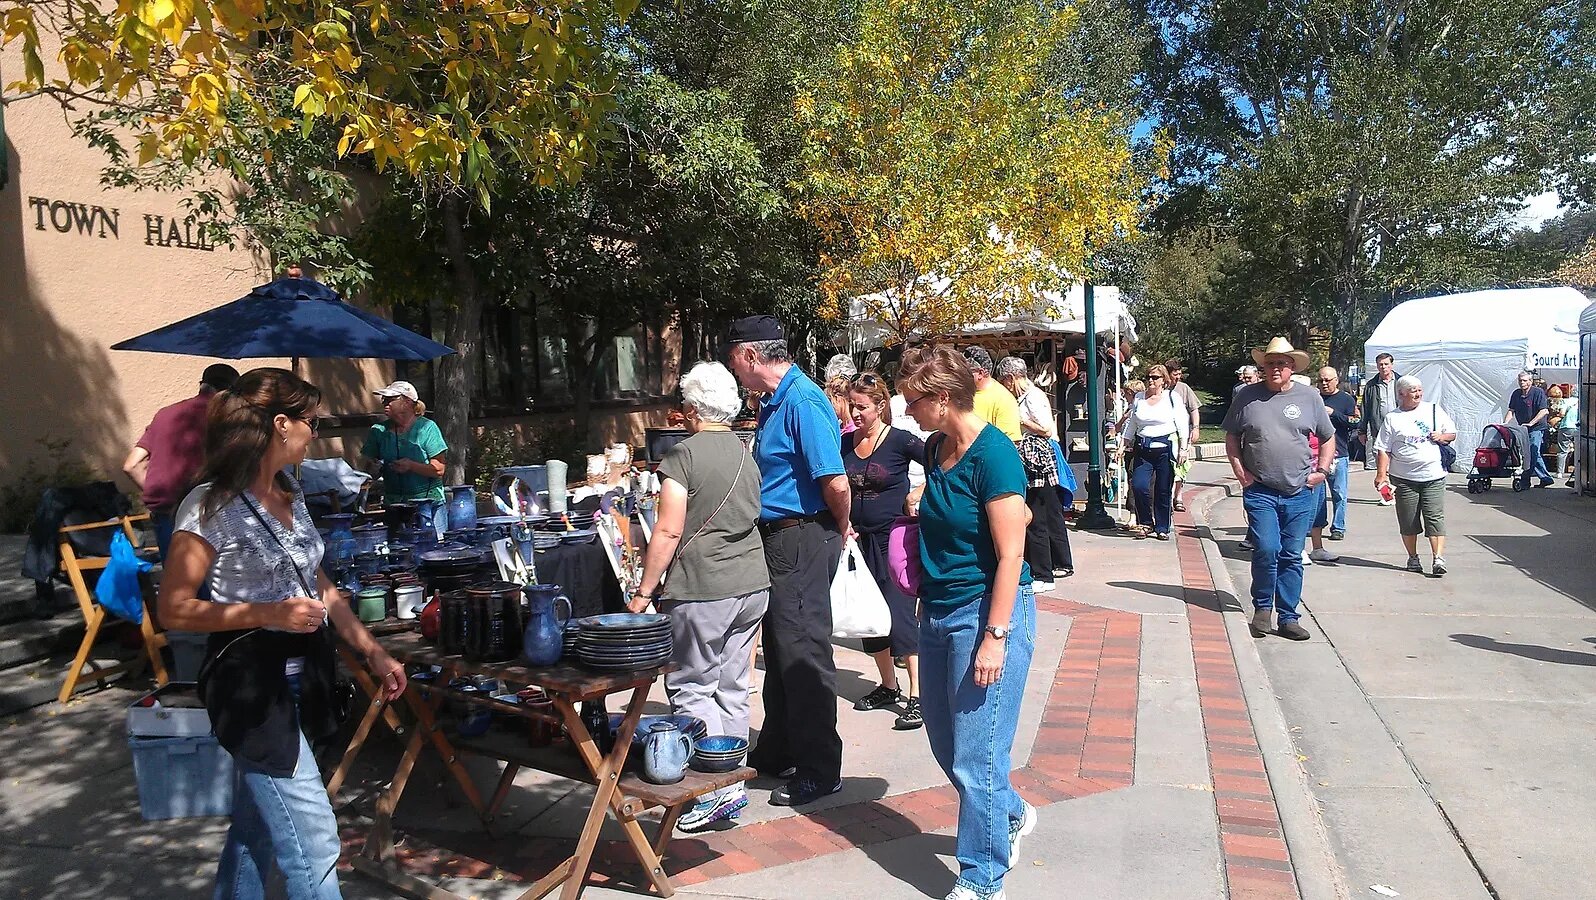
x,y
1306,559
1018,831
960,892
1042,587
1323,555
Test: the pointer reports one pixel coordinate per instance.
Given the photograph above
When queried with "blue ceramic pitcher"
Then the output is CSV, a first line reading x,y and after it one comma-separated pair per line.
x,y
544,638
462,507
665,753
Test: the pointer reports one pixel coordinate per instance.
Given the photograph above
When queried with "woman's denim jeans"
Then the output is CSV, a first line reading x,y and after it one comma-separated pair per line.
x,y
971,729
286,822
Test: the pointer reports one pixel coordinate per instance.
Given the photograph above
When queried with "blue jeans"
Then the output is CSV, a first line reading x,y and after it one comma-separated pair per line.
x,y
1536,464
1277,525
1335,515
971,729
1153,481
286,822
164,521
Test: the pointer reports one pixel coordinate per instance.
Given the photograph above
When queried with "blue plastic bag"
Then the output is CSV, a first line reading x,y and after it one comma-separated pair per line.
x,y
118,589
1067,485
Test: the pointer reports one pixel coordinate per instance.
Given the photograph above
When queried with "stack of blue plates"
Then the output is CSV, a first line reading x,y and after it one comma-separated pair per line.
x,y
624,641
573,631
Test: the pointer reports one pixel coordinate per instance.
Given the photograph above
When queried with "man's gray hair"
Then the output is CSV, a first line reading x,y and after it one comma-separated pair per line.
x,y
841,366
1525,373
1012,367
1407,382
710,389
770,351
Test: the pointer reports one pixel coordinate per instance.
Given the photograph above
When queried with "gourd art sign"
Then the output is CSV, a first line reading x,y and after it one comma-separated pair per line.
x,y
90,221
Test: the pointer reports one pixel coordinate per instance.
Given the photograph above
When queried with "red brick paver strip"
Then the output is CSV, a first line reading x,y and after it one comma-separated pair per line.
x,y
1085,745
1257,862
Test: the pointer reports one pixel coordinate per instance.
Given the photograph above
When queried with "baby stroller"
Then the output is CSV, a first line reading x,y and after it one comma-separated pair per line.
x,y
1499,455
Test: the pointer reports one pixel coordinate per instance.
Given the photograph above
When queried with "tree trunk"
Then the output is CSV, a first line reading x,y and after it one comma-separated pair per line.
x,y
463,332
580,359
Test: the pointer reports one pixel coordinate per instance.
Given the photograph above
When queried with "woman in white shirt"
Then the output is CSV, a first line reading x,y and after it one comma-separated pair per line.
x,y
1157,432
1409,448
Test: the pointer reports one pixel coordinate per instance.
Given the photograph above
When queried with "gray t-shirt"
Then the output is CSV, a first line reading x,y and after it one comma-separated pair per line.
x,y
251,566
727,558
1274,429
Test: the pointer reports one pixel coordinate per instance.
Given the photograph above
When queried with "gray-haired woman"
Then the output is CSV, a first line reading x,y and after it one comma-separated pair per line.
x,y
706,567
1409,448
1047,539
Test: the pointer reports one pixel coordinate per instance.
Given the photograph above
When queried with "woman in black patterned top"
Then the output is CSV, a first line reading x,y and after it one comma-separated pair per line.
x,y
877,457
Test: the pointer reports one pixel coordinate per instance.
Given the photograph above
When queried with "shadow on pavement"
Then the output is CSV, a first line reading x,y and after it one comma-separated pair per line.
x,y
1147,587
1549,559
1360,562
1528,651
906,855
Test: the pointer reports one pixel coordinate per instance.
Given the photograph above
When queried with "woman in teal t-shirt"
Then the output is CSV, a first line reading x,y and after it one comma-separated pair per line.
x,y
977,612
409,449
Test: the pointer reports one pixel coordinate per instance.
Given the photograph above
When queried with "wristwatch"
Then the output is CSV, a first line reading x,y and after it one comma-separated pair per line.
x,y
1322,471
998,632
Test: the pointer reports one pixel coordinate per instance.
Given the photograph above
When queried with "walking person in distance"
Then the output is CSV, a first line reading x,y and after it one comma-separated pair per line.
x,y
1409,447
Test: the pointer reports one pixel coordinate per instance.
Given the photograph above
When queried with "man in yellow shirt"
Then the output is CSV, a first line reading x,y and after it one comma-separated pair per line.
x,y
993,402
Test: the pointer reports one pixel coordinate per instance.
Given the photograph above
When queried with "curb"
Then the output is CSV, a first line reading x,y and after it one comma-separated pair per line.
x,y
1307,839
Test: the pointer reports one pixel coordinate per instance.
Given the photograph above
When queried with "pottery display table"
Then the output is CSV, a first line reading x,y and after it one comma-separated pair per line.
x,y
618,793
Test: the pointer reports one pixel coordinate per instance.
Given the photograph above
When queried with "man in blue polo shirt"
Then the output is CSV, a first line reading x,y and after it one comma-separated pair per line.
x,y
804,504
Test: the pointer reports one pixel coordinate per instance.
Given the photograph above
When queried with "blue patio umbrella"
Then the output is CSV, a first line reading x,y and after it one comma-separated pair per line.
x,y
294,317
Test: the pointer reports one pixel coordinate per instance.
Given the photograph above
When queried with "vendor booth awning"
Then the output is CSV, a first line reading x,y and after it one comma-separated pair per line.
x,y
1053,312
1468,348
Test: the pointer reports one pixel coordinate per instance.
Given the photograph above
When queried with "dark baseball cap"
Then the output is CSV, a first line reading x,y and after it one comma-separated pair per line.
x,y
978,358
756,328
220,376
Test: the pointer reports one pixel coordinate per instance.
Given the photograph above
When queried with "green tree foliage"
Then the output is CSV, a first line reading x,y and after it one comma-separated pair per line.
x,y
949,172
1362,151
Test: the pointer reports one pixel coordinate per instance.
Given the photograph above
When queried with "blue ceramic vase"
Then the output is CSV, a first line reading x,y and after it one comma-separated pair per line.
x,y
665,753
462,507
543,640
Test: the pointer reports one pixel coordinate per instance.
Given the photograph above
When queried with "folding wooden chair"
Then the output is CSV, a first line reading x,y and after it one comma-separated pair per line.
x,y
94,615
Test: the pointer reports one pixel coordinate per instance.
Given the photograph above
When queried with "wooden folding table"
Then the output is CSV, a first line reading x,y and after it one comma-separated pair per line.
x,y
618,792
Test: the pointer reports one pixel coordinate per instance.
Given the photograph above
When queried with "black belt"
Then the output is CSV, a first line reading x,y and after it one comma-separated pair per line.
x,y
771,526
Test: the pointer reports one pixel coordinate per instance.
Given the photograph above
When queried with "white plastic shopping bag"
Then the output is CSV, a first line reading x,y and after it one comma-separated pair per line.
x,y
857,608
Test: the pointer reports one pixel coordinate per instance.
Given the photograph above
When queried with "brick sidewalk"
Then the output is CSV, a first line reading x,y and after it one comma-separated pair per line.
x,y
1085,745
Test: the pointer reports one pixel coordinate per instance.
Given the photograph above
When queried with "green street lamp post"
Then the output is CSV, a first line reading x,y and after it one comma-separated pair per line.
x,y
1096,517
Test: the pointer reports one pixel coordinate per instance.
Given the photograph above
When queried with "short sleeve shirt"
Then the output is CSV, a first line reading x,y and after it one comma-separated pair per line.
x,y
726,556
997,406
422,442
1188,398
1406,437
1034,406
880,481
251,565
1525,405
956,553
1274,429
175,440
799,441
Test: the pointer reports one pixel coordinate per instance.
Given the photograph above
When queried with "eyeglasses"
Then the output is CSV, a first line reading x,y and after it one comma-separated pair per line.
x,y
909,404
1155,378
1278,364
1324,378
314,423
868,379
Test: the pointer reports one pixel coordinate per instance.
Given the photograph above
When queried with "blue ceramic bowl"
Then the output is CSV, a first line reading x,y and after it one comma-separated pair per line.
x,y
721,745
715,766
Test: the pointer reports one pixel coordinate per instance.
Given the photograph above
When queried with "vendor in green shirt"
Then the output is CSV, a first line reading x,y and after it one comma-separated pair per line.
x,y
407,451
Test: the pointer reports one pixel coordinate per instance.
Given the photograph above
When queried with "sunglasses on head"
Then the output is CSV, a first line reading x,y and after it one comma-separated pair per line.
x,y
865,378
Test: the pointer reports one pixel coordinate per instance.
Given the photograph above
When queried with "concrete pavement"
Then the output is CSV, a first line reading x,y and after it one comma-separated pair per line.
x,y
1444,723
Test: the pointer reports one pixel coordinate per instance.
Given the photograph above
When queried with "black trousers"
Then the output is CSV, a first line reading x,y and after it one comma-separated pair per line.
x,y
800,692
1047,540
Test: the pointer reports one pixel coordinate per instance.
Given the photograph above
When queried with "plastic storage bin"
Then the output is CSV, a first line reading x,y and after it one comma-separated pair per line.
x,y
188,654
182,777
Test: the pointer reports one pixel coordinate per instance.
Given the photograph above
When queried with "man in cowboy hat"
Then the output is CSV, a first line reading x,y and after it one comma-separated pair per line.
x,y
1266,440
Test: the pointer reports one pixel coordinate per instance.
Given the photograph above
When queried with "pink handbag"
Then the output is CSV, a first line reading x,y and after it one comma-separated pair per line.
x,y
903,554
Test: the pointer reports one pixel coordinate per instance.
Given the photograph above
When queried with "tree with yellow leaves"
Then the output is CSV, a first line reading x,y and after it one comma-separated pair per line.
x,y
949,178
444,90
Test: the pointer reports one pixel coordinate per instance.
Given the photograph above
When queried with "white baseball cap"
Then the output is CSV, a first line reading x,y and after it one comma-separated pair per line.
x,y
399,389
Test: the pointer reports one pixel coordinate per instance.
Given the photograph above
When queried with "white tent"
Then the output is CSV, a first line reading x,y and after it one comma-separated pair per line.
x,y
1468,349
1053,312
